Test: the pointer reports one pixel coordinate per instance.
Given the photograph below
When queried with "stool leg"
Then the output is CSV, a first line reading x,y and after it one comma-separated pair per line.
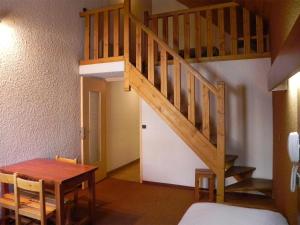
x,y
200,185
211,188
196,186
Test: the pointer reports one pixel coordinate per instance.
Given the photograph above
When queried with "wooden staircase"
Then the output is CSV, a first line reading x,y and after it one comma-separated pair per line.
x,y
161,73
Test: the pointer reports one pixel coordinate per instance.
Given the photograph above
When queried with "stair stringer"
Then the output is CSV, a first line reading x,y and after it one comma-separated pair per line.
x,y
185,129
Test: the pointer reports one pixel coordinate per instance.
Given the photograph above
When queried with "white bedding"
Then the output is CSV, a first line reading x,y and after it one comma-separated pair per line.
x,y
218,214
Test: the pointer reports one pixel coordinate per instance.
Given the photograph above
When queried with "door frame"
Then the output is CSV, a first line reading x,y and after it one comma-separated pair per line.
x,y
84,130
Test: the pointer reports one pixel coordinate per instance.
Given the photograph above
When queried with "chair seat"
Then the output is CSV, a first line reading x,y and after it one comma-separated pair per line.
x,y
8,200
32,209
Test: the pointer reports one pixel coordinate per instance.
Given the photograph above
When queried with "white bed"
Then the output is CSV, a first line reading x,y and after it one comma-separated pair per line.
x,y
219,214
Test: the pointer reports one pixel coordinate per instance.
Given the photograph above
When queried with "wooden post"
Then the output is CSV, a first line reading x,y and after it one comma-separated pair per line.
x,y
164,72
191,97
233,30
205,111
177,83
106,35
96,36
126,44
259,34
116,32
138,48
221,141
165,29
221,31
198,34
150,60
175,33
87,37
209,33
186,36
246,28
155,30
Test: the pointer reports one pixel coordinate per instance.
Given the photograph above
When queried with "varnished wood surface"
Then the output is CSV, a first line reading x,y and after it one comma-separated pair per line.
x,y
51,171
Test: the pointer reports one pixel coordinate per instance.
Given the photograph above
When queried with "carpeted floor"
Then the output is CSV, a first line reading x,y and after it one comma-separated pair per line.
x,y
123,203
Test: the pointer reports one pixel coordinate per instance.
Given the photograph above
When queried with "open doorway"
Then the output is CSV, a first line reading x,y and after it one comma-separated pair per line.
x,y
123,132
111,122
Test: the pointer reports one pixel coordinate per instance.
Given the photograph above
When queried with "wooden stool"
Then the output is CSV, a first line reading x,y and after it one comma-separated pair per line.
x,y
199,175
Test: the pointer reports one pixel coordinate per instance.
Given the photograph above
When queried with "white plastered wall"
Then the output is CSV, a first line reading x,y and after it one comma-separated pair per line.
x,y
167,159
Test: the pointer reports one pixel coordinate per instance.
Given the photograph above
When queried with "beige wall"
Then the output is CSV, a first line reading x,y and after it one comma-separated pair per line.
x,y
41,44
123,131
286,119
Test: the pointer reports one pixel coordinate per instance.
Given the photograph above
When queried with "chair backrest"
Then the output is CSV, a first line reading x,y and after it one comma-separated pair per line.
x,y
67,160
34,186
6,178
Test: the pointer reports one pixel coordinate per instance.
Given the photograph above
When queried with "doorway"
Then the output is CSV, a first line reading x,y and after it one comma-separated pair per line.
x,y
118,128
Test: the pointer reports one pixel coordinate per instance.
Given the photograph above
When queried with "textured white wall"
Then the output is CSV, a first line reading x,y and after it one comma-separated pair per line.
x,y
39,81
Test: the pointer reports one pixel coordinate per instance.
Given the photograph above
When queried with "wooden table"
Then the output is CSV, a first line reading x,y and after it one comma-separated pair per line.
x,y
61,176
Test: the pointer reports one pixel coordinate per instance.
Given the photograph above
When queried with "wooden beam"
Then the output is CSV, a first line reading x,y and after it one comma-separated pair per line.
x,y
205,111
165,30
103,9
138,56
259,34
221,32
246,29
209,33
96,36
116,32
126,43
150,60
221,141
175,33
196,9
87,37
177,84
187,36
155,30
191,97
233,30
198,34
106,35
164,72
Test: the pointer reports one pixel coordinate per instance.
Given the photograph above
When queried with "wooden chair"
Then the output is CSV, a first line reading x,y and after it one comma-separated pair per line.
x,y
75,189
36,208
67,160
7,202
7,199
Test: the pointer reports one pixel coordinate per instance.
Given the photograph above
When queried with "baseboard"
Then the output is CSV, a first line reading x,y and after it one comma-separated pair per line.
x,y
122,167
168,185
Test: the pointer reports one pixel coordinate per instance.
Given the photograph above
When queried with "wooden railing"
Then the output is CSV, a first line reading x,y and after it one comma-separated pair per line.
x,y
221,31
155,67
103,39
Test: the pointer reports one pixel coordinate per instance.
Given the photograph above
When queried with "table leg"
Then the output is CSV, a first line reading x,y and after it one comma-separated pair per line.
x,y
59,197
92,196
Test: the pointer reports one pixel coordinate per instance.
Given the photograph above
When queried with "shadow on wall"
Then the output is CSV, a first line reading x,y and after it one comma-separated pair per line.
x,y
236,117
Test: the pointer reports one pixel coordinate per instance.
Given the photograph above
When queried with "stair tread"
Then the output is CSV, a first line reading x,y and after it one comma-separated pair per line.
x,y
230,158
236,170
251,184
